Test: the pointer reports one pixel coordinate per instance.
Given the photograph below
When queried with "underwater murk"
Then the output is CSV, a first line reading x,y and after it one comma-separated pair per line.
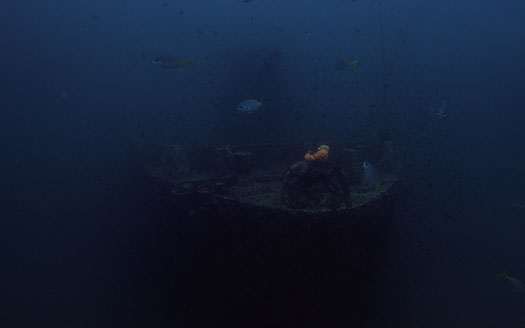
x,y
260,163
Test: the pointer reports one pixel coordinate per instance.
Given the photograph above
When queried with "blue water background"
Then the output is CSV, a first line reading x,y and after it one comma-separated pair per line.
x,y
79,90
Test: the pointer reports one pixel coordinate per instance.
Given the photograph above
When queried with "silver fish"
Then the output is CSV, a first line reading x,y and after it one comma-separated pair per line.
x,y
249,106
372,178
171,62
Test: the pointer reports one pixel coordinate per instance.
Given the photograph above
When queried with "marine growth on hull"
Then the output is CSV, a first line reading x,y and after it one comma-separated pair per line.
x,y
297,177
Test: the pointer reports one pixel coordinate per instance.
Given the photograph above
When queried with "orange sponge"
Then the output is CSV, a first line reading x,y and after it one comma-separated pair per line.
x,y
320,156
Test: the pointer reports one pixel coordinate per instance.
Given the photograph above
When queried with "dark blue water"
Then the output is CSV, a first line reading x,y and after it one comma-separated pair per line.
x,y
79,245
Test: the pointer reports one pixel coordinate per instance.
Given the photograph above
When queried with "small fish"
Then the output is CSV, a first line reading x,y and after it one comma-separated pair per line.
x,y
249,106
441,112
520,206
372,178
352,64
517,286
171,62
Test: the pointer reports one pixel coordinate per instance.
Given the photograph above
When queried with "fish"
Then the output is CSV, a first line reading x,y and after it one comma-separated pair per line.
x,y
372,178
441,112
352,64
171,62
249,106
517,285
520,206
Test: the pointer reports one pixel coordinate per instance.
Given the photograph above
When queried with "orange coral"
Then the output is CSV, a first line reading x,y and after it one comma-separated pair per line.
x,y
320,156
